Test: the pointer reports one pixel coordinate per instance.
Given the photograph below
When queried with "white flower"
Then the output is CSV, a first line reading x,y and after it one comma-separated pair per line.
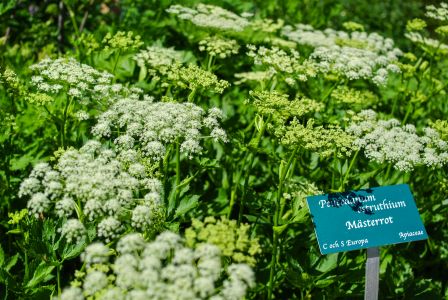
x,y
131,243
154,125
386,141
72,293
73,230
94,282
38,204
96,253
165,268
109,229
210,16
142,217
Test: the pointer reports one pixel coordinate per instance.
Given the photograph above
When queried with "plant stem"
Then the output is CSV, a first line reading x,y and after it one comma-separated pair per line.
x,y
344,180
176,197
251,158
191,96
58,276
116,61
273,262
279,205
64,122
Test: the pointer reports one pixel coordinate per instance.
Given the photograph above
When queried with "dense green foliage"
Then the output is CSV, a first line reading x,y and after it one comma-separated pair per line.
x,y
134,126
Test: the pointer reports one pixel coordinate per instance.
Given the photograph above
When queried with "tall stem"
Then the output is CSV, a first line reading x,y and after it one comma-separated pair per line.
x,y
176,198
279,206
64,122
344,180
116,61
58,276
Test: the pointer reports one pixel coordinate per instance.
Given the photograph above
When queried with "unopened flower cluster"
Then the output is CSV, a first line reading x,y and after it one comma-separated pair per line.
x,y
387,141
350,96
195,78
279,108
325,140
219,47
233,240
210,16
355,55
93,185
279,61
122,41
153,126
159,270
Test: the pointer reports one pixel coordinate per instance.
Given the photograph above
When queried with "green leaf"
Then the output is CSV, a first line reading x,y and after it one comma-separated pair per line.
x,y
70,251
186,205
12,262
280,229
6,6
2,256
14,231
322,283
328,263
41,274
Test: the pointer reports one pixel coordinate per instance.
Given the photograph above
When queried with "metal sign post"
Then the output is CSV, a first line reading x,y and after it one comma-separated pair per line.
x,y
372,274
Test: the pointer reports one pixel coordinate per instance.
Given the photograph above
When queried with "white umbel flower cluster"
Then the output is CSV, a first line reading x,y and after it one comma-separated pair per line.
x,y
153,126
160,269
438,13
77,80
210,16
389,142
157,57
94,183
355,55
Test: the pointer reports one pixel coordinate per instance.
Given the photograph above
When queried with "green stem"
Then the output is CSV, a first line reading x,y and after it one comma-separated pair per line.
x,y
116,61
176,197
58,276
408,111
251,158
64,122
273,262
210,62
386,176
254,142
279,206
344,180
328,93
191,96
72,19
282,179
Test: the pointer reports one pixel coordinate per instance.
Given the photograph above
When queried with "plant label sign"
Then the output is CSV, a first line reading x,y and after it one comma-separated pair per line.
x,y
366,218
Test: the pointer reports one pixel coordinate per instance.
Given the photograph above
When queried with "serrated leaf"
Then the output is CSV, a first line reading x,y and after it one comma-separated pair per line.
x,y
71,251
41,274
186,205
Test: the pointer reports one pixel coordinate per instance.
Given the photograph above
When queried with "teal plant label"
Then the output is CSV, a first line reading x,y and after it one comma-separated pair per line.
x,y
366,218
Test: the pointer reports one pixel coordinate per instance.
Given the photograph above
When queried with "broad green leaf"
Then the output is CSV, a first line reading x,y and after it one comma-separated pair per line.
x,y
186,205
41,274
328,263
